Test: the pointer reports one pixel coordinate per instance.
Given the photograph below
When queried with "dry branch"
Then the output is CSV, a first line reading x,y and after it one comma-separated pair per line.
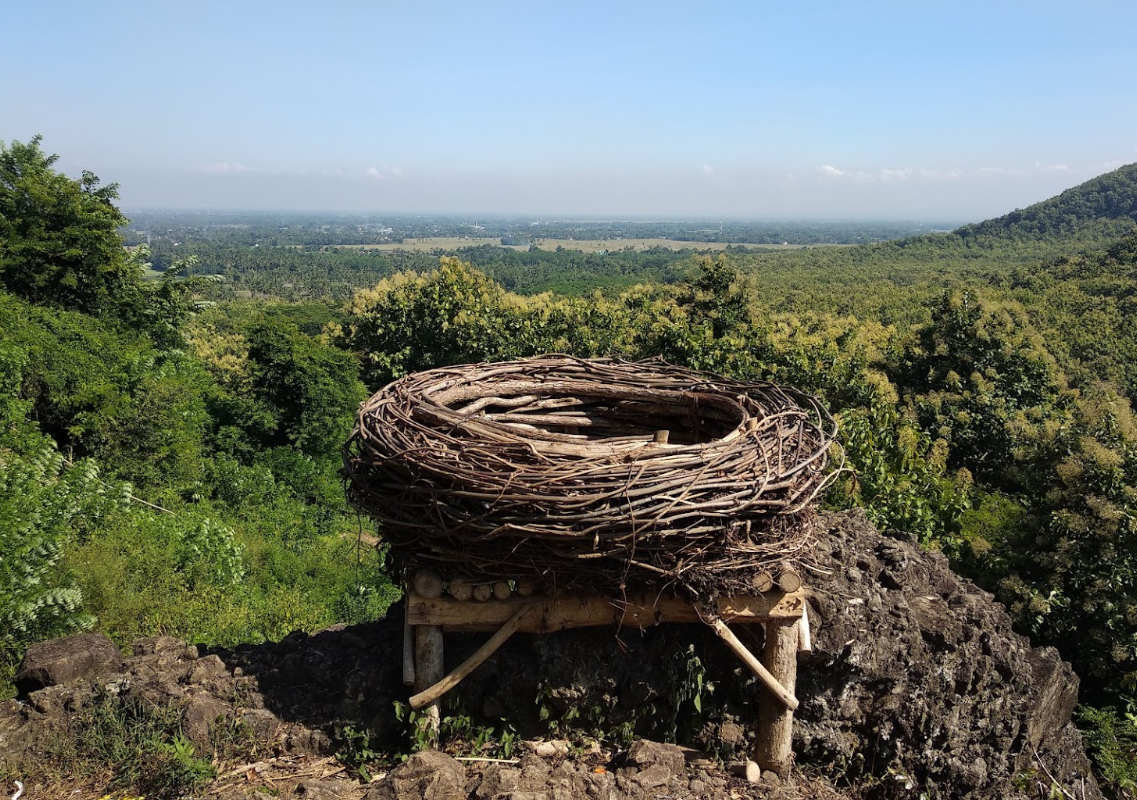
x,y
550,469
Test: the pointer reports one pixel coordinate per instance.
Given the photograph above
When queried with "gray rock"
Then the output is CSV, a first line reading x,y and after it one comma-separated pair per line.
x,y
201,712
58,661
646,754
429,775
312,789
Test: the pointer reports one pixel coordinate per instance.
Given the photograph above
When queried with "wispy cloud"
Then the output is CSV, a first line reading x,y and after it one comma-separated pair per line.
x,y
895,174
383,173
226,168
830,170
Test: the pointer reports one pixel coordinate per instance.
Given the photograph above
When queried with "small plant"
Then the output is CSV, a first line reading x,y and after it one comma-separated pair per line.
x,y
1111,737
172,769
356,751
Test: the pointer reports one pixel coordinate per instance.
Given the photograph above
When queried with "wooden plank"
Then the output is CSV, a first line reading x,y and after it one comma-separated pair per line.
x,y
563,612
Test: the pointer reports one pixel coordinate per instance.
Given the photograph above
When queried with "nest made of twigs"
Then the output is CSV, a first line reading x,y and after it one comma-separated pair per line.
x,y
552,468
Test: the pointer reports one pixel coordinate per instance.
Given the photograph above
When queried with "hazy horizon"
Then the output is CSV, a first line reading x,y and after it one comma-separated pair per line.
x,y
879,111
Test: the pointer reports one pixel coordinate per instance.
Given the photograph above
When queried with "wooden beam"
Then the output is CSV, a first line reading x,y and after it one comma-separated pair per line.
x,y
563,612
785,697
772,749
433,693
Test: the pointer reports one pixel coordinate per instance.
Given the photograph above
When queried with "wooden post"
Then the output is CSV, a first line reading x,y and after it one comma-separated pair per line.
x,y
408,647
429,671
773,749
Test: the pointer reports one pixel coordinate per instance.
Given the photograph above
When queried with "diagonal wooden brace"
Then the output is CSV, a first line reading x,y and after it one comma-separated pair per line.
x,y
723,632
432,693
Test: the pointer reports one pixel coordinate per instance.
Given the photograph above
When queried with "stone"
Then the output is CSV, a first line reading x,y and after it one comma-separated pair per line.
x,y
310,741
557,748
207,668
200,714
312,789
497,779
262,723
645,754
58,661
427,775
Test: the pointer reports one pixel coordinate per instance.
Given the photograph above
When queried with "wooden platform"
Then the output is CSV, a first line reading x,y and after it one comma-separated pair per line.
x,y
782,613
551,614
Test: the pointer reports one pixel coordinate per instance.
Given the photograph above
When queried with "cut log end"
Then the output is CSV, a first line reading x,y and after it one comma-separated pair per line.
x,y
460,589
762,582
427,583
789,580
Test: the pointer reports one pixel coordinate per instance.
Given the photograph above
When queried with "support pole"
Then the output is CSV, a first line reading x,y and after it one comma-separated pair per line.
x,y
428,671
434,692
784,694
408,647
773,749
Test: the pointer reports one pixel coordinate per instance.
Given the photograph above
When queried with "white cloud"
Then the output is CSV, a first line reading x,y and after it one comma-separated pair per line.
x,y
226,168
830,170
708,169
382,173
892,174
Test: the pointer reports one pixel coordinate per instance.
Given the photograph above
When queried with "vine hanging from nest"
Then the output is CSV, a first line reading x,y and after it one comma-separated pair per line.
x,y
597,474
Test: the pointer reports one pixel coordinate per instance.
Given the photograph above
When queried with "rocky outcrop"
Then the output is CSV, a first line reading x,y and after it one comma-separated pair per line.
x,y
917,684
920,671
84,655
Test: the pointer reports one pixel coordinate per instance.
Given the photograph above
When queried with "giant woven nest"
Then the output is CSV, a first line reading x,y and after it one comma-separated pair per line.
x,y
550,468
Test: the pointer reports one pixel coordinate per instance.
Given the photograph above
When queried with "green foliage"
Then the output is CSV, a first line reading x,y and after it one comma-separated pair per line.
x,y
1111,737
979,377
59,241
311,388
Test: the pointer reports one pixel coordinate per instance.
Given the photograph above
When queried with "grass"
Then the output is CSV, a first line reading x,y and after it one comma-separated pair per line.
x,y
121,745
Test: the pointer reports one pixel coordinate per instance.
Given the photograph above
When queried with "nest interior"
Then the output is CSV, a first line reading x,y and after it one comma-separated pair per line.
x,y
594,474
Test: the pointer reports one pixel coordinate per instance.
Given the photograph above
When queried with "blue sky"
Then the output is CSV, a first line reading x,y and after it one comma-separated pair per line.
x,y
917,110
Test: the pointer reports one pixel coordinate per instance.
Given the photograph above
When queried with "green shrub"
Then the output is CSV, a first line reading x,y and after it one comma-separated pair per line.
x,y
1111,737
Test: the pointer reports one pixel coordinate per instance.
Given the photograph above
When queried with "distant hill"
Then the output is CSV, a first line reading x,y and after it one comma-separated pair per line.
x,y
1103,206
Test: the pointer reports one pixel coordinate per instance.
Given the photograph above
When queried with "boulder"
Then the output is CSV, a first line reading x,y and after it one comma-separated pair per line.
x,y
429,775
201,712
59,661
645,754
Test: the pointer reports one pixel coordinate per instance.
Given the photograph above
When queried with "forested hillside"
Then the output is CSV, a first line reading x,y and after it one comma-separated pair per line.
x,y
169,464
1101,205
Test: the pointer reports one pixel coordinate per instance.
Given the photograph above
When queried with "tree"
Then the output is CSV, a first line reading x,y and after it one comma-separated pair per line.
x,y
59,241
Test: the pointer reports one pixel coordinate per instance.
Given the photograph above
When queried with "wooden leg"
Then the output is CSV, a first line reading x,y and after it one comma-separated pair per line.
x,y
429,671
773,750
408,649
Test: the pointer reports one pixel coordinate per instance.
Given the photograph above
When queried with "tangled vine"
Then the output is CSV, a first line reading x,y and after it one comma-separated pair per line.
x,y
597,474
